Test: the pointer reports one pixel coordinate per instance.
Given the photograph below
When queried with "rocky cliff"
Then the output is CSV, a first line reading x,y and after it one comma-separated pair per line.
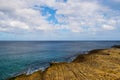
x,y
101,64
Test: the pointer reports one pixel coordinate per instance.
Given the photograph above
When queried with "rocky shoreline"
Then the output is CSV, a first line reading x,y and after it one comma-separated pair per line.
x,y
99,64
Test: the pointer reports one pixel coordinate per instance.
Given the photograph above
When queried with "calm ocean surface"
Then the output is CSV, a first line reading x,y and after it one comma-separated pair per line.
x,y
27,56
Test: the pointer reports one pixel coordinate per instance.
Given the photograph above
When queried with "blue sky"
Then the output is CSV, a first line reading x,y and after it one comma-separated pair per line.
x,y
59,20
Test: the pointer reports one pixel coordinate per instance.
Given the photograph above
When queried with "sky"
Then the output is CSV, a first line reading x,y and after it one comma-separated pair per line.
x,y
59,19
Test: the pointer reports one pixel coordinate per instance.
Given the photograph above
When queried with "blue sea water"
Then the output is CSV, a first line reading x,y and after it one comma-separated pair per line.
x,y
28,56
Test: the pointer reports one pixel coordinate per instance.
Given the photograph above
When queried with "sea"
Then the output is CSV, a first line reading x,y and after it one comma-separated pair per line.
x,y
17,57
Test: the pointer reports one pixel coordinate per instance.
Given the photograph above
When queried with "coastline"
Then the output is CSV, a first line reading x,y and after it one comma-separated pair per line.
x,y
105,63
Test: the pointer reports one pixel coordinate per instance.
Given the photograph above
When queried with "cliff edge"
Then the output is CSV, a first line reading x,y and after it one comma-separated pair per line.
x,y
100,64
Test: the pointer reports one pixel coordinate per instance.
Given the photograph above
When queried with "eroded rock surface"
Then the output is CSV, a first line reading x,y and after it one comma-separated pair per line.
x,y
101,64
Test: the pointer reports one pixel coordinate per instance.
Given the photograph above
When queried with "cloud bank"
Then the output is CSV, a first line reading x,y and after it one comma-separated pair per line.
x,y
57,16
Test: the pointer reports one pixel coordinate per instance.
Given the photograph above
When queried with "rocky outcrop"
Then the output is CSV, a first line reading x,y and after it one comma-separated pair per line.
x,y
35,76
116,46
101,64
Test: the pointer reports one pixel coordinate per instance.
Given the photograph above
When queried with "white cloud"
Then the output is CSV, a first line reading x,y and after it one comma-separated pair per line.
x,y
18,24
87,15
108,27
3,29
79,16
